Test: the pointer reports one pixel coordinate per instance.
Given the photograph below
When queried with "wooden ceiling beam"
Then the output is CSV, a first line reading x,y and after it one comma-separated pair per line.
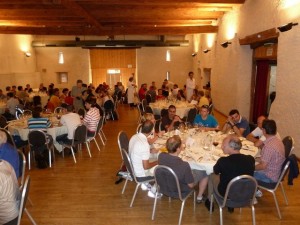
x,y
260,37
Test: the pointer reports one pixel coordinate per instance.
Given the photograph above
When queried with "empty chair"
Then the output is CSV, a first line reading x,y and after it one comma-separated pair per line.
x,y
137,180
109,108
80,137
38,140
168,184
240,192
272,187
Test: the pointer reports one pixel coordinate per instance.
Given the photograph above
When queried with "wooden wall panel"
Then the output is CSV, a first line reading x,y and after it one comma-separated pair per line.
x,y
104,59
266,52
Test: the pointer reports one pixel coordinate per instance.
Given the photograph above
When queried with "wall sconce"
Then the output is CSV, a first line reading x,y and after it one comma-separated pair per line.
x,y
194,54
168,56
225,44
286,27
61,58
206,50
27,54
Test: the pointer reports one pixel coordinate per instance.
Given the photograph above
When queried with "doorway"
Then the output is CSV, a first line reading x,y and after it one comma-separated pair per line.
x,y
113,76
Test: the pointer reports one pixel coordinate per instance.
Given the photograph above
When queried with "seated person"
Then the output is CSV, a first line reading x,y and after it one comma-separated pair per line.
x,y
9,153
187,178
229,167
171,120
181,95
272,156
71,120
237,123
160,95
154,136
9,194
37,122
256,136
54,99
12,102
202,99
204,119
92,117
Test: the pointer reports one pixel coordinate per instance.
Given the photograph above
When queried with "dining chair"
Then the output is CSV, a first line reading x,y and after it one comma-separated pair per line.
x,y
93,138
24,197
141,112
80,137
288,143
100,132
272,187
19,112
167,183
137,180
37,140
58,110
148,98
109,108
240,192
191,115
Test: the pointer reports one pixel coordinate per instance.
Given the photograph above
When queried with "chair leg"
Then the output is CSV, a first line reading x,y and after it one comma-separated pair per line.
x,y
49,152
181,212
29,200
253,215
73,154
103,135
154,207
211,203
194,201
221,215
29,159
124,187
277,206
134,194
284,195
88,148
96,144
30,217
101,138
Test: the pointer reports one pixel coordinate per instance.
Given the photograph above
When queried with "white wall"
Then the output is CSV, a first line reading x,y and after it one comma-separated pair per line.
x,y
232,67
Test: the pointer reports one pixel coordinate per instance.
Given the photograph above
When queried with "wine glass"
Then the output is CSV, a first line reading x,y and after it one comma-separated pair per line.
x,y
215,143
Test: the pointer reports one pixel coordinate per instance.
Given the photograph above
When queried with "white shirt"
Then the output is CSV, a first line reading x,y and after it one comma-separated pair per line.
x,y
257,132
139,150
71,121
190,83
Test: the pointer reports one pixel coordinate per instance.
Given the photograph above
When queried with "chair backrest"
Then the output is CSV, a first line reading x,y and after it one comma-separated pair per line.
x,y
148,98
10,139
288,143
22,160
240,191
144,104
167,182
148,109
80,134
128,164
191,115
24,197
19,112
108,105
123,141
140,108
37,138
210,108
3,122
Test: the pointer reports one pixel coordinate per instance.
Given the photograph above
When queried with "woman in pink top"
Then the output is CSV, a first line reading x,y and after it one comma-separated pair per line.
x,y
92,117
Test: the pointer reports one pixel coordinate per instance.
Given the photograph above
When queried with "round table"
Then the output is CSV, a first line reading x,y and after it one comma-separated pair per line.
x,y
182,108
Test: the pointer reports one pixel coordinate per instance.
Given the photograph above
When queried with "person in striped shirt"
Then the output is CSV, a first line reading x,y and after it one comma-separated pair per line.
x,y
92,117
37,122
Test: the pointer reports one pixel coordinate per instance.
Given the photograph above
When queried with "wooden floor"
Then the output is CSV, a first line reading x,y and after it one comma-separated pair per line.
x,y
85,193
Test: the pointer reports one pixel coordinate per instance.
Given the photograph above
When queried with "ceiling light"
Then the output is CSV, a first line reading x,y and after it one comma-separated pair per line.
x,y
286,27
225,44
206,50
194,54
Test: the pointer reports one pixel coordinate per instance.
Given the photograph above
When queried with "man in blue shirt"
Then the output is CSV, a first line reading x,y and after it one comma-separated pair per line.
x,y
204,119
237,123
9,153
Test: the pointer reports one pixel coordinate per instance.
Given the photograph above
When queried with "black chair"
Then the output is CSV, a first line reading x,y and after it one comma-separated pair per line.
x,y
38,140
240,192
80,137
93,138
148,98
288,143
137,180
109,108
272,187
123,143
144,104
3,122
168,184
191,115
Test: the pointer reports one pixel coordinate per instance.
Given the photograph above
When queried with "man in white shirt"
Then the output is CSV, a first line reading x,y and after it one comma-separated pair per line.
x,y
139,151
71,121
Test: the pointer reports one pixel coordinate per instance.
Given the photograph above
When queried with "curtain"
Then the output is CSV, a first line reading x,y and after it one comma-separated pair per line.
x,y
261,87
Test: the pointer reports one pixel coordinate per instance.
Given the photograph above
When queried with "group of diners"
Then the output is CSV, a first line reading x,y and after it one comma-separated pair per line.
x,y
265,168
189,92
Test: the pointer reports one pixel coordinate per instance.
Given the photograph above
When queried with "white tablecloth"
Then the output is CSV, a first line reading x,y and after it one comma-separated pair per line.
x,y
19,127
196,153
182,108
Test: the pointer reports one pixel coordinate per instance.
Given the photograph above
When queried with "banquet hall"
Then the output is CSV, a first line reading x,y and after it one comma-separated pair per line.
x,y
248,40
